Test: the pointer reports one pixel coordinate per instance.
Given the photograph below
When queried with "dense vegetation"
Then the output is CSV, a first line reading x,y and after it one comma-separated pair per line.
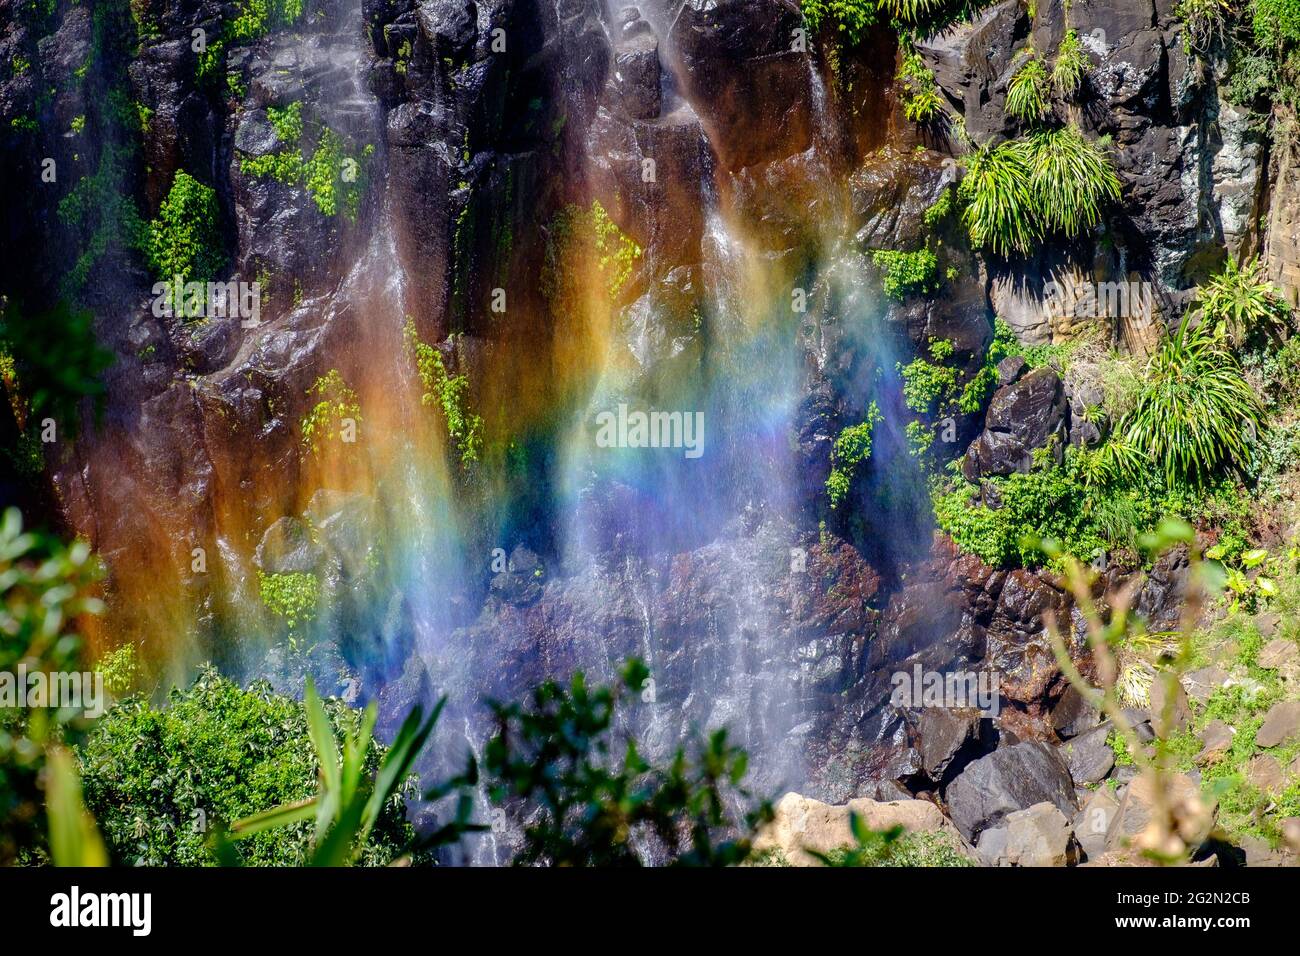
x,y
1185,435
158,779
185,239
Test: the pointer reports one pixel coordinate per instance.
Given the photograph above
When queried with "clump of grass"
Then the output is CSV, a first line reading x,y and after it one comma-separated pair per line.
x,y
1071,180
1053,181
1027,94
1071,65
999,209
1196,414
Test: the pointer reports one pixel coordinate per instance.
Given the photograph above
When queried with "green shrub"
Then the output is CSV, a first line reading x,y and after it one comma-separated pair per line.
x,y
1196,415
579,239
927,383
1245,301
940,210
292,596
336,406
851,448
44,587
185,239
102,217
922,101
255,18
583,806
848,18
159,780
50,362
353,797
1276,22
1204,21
1046,503
907,273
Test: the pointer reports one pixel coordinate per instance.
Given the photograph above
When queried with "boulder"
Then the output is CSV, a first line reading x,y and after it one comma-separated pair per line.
x,y
1216,740
1093,821
1018,644
1010,369
1195,815
1281,724
1073,715
1022,417
1263,771
1278,653
1088,756
1040,835
801,824
1201,684
941,734
287,547
971,61
521,582
1009,779
1169,712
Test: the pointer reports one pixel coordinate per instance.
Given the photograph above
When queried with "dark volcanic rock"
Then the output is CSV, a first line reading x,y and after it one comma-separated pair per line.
x,y
1009,779
972,64
1088,756
1027,415
742,70
1073,715
1018,643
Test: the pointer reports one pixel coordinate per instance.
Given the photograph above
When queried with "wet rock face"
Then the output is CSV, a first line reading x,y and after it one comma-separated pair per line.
x,y
1018,642
1027,415
739,60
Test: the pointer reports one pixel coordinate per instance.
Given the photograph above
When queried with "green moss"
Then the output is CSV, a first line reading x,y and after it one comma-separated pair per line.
x,y
580,237
102,216
321,174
